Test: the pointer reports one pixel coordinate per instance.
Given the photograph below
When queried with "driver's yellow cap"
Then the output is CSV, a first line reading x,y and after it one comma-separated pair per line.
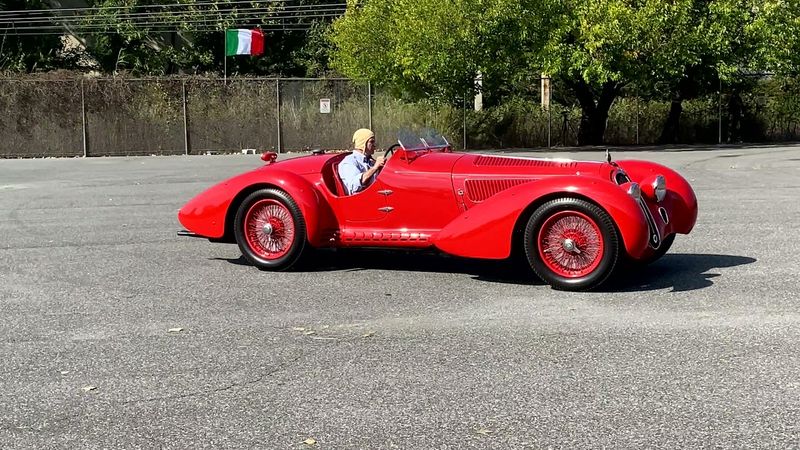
x,y
360,138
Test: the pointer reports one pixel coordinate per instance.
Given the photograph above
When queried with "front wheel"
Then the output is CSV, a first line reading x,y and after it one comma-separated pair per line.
x,y
270,229
571,244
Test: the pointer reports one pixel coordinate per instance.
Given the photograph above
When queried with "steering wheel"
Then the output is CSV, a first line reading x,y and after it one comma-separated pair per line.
x,y
390,151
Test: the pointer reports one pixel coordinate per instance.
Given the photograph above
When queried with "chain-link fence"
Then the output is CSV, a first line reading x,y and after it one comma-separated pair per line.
x,y
40,119
228,117
167,116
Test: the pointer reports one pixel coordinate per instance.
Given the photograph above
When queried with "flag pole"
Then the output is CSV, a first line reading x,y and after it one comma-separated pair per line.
x,y
225,59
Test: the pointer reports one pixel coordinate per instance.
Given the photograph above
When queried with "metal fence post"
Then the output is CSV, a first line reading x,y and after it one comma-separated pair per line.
x,y
369,102
185,121
465,121
549,113
637,115
83,119
278,109
719,114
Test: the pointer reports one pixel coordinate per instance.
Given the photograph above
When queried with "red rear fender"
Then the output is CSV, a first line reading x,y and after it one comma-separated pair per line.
x,y
486,230
211,213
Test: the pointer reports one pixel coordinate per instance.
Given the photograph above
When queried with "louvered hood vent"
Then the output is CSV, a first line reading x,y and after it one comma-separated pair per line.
x,y
496,161
480,190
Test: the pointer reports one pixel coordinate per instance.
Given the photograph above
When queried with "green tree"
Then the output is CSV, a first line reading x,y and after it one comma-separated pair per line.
x,y
780,27
188,37
595,47
598,47
26,52
730,40
427,48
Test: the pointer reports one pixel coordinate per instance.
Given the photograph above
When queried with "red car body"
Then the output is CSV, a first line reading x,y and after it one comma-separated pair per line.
x,y
573,220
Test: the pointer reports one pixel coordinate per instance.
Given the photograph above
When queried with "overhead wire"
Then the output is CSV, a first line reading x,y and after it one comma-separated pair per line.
x,y
150,21
287,27
137,15
155,21
158,5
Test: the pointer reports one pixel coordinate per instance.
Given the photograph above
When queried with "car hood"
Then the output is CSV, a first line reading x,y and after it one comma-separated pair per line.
x,y
493,166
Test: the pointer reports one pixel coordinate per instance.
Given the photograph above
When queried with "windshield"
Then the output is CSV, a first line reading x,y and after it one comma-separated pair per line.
x,y
425,139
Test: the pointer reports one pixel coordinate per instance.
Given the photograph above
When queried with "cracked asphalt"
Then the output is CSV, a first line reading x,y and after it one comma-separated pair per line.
x,y
116,333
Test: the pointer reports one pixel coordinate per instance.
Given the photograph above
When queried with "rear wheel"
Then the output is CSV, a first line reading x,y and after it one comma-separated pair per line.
x,y
571,244
270,230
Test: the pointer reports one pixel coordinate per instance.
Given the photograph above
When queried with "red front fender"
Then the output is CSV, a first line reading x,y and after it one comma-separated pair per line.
x,y
209,213
681,200
486,230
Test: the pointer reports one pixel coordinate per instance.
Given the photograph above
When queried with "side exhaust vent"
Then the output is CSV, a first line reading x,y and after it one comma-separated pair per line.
x,y
480,190
496,161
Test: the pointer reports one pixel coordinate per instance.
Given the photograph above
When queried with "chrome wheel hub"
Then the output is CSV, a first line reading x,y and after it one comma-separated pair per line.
x,y
569,245
267,229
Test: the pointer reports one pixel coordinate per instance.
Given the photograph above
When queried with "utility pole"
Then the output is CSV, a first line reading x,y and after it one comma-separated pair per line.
x,y
545,92
479,92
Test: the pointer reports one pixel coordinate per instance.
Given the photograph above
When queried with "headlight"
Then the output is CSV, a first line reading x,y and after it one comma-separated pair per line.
x,y
634,190
655,188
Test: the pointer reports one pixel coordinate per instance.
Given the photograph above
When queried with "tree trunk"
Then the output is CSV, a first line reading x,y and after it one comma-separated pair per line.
x,y
735,113
594,114
685,90
669,133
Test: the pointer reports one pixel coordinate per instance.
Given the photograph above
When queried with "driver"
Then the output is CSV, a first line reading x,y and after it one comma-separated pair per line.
x,y
359,169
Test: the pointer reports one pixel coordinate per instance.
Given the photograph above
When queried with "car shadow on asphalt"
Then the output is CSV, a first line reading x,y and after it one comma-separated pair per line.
x,y
676,271
409,261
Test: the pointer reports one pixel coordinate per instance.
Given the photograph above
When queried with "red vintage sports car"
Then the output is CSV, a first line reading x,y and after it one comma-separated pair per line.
x,y
571,221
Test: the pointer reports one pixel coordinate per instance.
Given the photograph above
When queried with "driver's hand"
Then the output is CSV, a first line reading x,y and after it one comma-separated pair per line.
x,y
380,161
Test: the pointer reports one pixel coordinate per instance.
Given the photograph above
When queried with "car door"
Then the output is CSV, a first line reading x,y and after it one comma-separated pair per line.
x,y
363,208
419,195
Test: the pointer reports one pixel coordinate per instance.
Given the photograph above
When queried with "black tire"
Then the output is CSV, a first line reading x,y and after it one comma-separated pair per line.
x,y
553,239
666,243
270,230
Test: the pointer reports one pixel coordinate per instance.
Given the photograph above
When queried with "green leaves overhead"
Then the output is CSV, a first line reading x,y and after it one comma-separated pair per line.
x,y
433,47
426,47
778,28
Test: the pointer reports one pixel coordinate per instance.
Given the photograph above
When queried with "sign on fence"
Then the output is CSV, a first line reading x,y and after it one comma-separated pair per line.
x,y
325,105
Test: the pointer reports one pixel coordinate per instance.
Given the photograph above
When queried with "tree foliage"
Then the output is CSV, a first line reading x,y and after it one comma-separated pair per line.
x,y
24,53
156,37
779,27
596,47
190,39
427,48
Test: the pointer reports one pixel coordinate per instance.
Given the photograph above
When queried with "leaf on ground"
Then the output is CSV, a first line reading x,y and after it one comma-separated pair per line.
x,y
310,332
310,441
369,334
64,372
88,388
484,431
174,330
298,329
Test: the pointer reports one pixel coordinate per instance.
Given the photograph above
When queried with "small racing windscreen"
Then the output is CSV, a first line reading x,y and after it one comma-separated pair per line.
x,y
426,138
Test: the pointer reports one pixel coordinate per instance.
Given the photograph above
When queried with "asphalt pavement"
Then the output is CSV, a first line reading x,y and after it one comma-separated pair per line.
x,y
117,333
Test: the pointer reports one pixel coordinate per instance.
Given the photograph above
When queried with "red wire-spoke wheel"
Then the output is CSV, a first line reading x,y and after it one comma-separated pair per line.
x,y
571,244
270,229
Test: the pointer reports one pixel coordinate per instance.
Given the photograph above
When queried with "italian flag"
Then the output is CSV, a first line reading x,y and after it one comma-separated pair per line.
x,y
244,42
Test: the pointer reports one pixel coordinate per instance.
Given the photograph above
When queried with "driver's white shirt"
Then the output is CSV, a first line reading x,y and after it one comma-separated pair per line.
x,y
350,170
